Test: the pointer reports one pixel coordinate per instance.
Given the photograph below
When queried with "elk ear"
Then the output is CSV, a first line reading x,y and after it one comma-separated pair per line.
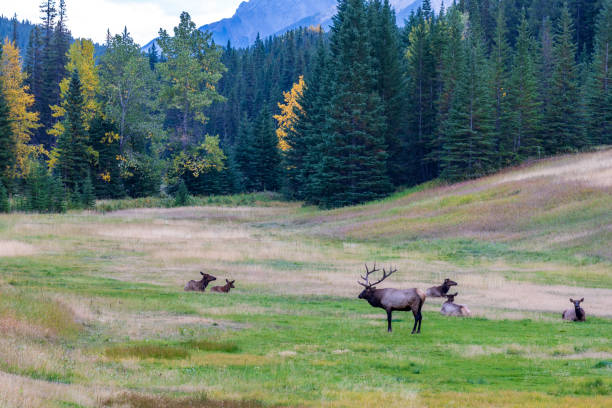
x,y
571,300
227,280
202,273
582,300
232,282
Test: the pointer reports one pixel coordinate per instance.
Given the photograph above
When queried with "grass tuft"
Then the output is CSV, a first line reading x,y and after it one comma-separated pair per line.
x,y
134,400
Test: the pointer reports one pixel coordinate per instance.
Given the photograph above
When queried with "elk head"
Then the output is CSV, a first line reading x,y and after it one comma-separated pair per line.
x,y
449,283
451,297
230,284
369,288
207,278
577,302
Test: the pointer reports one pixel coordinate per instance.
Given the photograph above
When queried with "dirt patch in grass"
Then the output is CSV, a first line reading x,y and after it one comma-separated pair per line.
x,y
134,400
16,248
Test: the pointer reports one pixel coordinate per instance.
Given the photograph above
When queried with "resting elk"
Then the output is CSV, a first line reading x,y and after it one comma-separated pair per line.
x,y
199,286
449,308
225,288
442,290
576,314
393,299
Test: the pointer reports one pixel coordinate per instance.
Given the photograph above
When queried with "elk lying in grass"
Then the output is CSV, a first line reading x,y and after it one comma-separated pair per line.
x,y
442,290
576,314
393,299
449,308
199,286
225,288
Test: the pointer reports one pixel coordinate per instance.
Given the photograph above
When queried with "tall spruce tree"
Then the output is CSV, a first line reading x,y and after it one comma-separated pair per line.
x,y
562,123
353,164
599,85
305,139
385,46
524,114
500,55
49,90
73,142
421,109
265,157
8,145
468,148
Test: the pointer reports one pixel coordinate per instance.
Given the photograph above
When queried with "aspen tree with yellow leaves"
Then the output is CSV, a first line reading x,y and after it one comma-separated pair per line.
x,y
19,101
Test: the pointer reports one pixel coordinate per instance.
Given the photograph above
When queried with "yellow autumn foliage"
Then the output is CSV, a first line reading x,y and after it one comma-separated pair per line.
x,y
287,117
81,58
19,101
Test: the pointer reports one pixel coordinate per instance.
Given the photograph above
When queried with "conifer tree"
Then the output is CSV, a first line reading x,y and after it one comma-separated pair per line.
x,y
384,38
243,153
265,157
562,125
5,205
8,145
305,139
599,85
353,165
49,90
524,115
468,148
72,145
421,109
500,56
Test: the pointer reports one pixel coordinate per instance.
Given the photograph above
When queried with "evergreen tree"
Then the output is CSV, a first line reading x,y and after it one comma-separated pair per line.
x,y
304,140
104,140
385,46
468,148
8,145
182,195
88,196
72,146
353,165
421,109
33,70
5,205
562,122
49,90
265,157
500,56
599,85
524,115
243,153
153,56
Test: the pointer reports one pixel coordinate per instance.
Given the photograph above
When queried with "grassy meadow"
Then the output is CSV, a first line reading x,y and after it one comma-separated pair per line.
x,y
93,312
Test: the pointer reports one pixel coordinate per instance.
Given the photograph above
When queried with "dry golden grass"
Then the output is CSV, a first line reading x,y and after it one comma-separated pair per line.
x,y
510,399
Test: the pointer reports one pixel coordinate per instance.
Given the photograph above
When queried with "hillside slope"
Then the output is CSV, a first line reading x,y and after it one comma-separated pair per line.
x,y
558,203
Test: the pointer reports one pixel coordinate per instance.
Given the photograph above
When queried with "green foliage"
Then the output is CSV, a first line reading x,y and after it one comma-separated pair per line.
x,y
5,205
182,195
8,145
43,192
190,72
74,156
106,174
141,175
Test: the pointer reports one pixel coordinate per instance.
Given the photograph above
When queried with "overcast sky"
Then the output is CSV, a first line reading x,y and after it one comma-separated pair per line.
x,y
143,18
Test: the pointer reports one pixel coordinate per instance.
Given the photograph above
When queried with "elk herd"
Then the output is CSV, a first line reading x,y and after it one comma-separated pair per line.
x,y
413,299
391,300
200,286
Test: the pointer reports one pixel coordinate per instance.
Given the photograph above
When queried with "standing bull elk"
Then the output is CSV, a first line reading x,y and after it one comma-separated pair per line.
x,y
199,286
393,299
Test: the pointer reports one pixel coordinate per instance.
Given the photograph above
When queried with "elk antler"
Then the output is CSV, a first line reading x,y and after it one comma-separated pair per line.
x,y
367,283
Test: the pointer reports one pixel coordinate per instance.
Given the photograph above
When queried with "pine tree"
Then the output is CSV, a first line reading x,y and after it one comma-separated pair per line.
x,y
88,197
33,70
384,38
421,109
153,56
524,114
243,153
305,139
468,149
353,164
72,145
265,155
182,195
599,85
5,205
8,145
49,91
500,56
562,124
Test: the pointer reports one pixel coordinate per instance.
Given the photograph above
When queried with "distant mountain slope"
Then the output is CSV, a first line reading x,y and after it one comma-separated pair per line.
x,y
23,31
273,17
269,17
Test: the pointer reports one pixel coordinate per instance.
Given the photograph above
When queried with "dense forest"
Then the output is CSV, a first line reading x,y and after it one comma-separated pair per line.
x,y
332,119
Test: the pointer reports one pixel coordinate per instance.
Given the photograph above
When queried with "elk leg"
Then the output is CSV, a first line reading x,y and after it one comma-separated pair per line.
x,y
420,318
389,320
